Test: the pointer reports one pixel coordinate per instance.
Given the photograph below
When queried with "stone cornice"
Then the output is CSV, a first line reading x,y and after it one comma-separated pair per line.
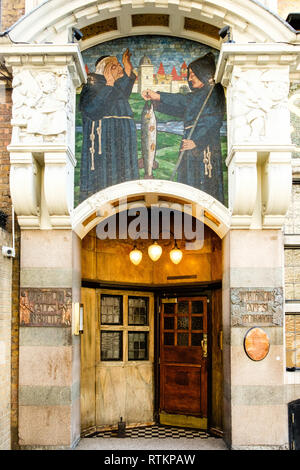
x,y
262,150
41,55
59,153
258,55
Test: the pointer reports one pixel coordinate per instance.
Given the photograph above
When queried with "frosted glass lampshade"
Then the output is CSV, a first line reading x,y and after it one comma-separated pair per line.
x,y
176,255
135,256
154,251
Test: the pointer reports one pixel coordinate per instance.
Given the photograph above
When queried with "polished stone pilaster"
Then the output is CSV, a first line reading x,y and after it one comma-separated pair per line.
x,y
254,398
49,377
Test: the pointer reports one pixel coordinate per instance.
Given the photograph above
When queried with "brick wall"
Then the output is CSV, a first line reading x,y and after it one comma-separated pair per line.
x,y
11,11
292,220
5,206
5,344
292,274
5,137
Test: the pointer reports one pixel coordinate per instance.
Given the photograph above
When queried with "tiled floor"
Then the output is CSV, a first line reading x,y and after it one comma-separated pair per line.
x,y
154,431
151,437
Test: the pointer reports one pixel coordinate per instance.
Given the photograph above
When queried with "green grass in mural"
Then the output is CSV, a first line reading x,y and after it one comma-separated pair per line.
x,y
137,103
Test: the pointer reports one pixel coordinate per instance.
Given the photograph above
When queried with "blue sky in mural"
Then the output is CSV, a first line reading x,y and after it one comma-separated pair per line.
x,y
168,50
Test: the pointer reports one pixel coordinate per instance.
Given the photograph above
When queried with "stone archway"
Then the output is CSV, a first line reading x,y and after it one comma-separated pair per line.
x,y
102,205
52,21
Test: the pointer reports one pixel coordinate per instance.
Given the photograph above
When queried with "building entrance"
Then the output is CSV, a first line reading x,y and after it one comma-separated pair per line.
x,y
151,350
151,361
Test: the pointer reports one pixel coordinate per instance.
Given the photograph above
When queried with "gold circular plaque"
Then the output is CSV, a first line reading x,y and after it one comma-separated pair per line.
x,y
256,344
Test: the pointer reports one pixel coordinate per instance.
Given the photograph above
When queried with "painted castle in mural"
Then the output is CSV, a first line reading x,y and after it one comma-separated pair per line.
x,y
170,83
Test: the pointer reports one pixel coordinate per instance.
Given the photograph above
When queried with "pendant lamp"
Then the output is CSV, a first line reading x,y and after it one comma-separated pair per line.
x,y
135,256
154,251
176,254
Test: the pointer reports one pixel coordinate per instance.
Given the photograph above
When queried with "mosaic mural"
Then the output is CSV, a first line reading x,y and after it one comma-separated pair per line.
x,y
150,109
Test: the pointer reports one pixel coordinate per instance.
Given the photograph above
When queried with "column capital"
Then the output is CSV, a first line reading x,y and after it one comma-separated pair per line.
x,y
46,55
258,77
45,78
257,56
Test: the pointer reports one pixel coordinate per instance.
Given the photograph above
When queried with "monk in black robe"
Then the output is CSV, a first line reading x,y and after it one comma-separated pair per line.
x,y
109,149
201,165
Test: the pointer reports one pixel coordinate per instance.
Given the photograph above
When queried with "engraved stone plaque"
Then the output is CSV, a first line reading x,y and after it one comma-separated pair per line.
x,y
256,344
46,307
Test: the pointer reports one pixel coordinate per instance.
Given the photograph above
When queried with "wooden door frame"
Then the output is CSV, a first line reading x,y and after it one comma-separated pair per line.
x,y
184,291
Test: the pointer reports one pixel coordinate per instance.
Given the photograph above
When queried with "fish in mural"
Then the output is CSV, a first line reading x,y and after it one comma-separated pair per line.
x,y
148,139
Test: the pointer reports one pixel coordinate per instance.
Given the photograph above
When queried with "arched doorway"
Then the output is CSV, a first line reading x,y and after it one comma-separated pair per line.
x,y
167,366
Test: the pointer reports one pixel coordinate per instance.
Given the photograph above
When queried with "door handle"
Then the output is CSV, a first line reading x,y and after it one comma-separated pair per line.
x,y
204,344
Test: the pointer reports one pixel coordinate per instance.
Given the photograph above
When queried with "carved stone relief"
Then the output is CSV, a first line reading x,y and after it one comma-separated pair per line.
x,y
294,107
45,307
259,106
42,106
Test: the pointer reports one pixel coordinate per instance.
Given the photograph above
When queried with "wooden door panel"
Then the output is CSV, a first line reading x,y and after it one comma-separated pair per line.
x,y
217,364
182,389
183,369
88,372
124,372
182,355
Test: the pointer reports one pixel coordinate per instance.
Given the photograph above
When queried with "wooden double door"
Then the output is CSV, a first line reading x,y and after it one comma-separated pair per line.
x,y
183,361
119,358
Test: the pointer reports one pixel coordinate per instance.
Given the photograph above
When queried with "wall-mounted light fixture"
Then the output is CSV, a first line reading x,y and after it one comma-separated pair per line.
x,y
226,31
81,311
76,34
77,318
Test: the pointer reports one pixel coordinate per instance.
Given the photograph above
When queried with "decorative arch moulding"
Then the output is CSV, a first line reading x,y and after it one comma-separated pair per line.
x,y
90,212
52,21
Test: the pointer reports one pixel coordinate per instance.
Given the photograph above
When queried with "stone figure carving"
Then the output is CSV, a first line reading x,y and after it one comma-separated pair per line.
x,y
49,115
40,105
25,89
259,107
294,107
